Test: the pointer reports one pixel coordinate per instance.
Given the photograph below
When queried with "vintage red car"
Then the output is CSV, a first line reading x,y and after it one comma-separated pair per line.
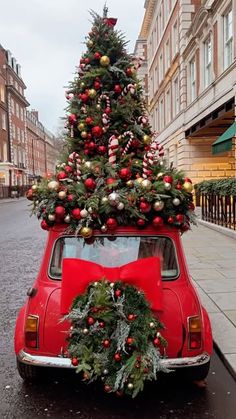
x,y
40,335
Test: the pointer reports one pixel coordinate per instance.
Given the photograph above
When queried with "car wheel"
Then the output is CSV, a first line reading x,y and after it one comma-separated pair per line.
x,y
195,373
29,372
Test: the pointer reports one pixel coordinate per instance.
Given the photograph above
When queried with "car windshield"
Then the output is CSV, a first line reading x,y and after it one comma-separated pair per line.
x,y
115,251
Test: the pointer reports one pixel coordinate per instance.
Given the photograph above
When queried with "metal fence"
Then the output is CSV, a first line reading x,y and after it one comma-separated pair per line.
x,y
219,209
12,192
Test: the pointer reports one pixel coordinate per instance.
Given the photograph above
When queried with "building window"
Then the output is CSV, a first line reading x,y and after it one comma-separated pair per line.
x,y
167,55
207,61
17,110
13,131
161,68
175,39
161,115
2,94
4,121
4,151
192,72
18,134
228,39
156,127
168,107
12,106
176,106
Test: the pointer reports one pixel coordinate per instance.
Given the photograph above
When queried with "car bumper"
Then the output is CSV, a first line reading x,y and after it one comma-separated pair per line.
x,y
60,362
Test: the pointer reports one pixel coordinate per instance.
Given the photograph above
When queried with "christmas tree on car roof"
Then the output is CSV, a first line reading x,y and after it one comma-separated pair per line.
x,y
114,173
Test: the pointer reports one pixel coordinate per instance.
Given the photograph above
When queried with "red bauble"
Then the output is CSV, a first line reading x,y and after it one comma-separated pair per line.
x,y
91,146
60,211
110,181
130,341
117,357
157,222
87,60
102,149
111,224
101,324
97,131
191,206
89,120
81,60
84,97
106,343
125,173
168,179
180,218
118,293
107,111
70,197
185,227
129,71
117,89
90,321
170,220
131,317
141,222
97,56
144,207
72,118
179,186
97,85
76,213
30,195
75,362
186,179
156,342
90,184
61,175
44,225
107,388
68,169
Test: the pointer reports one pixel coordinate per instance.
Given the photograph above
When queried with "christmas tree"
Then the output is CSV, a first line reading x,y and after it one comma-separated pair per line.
x,y
114,173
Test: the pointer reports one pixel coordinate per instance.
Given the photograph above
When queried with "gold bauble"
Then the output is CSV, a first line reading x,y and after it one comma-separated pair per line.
x,y
139,180
34,187
104,199
86,232
158,205
92,93
62,194
104,61
82,84
98,106
88,164
188,187
130,184
53,185
51,217
90,43
146,184
84,134
146,139
81,126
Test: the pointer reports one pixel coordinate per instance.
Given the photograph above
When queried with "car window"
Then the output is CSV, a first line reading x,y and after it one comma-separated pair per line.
x,y
115,251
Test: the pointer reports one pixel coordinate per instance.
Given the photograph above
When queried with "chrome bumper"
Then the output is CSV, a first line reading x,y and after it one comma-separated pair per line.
x,y
60,362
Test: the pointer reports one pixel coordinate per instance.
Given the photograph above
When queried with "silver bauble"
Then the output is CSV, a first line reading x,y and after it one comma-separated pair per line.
x,y
130,386
104,229
176,201
88,164
120,206
105,371
67,218
85,331
53,185
104,200
167,186
146,184
83,213
51,217
90,210
113,199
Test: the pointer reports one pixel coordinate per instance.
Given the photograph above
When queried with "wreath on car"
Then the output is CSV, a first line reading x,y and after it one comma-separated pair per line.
x,y
115,338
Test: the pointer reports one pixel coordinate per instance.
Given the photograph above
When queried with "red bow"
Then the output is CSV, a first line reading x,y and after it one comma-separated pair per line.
x,y
144,274
110,21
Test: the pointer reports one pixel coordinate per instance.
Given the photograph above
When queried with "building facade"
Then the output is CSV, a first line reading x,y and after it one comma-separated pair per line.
x,y
191,68
41,148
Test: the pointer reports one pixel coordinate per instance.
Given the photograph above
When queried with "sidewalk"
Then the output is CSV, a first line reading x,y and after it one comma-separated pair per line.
x,y
7,200
211,258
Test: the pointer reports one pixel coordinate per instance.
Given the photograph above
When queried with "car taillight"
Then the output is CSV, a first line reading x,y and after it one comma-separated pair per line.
x,y
31,331
194,332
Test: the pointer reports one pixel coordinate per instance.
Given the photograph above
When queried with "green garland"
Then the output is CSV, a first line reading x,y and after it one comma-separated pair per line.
x,y
115,337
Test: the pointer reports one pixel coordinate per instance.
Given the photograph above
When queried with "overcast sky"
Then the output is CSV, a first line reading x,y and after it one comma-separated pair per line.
x,y
46,38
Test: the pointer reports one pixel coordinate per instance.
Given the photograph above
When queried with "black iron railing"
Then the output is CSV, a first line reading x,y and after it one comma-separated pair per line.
x,y
219,209
12,191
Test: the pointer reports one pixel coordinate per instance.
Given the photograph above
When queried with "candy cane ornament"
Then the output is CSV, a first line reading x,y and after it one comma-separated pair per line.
x,y
156,151
113,145
131,135
106,98
74,160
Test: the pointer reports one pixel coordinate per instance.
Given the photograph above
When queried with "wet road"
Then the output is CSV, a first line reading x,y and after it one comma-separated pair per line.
x,y
62,396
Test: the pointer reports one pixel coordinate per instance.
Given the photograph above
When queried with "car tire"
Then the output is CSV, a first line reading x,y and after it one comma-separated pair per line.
x,y
197,373
29,372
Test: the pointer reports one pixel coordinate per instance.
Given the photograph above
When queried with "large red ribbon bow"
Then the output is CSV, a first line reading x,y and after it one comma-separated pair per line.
x,y
144,274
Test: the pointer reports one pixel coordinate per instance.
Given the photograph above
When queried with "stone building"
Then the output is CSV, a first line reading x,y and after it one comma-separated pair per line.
x,y
191,67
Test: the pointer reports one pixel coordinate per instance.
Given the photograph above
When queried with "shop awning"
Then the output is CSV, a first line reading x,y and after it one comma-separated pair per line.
x,y
224,142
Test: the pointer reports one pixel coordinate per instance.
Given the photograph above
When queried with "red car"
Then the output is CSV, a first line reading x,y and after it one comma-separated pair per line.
x,y
40,335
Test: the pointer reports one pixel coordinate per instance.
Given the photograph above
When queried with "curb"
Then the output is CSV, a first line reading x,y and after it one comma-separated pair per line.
x,y
226,363
9,200
223,230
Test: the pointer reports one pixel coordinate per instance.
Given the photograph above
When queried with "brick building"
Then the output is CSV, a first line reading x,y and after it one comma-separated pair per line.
x,y
191,65
41,147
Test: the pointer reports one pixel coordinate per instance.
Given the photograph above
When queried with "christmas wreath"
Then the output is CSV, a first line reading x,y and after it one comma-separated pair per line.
x,y
115,337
